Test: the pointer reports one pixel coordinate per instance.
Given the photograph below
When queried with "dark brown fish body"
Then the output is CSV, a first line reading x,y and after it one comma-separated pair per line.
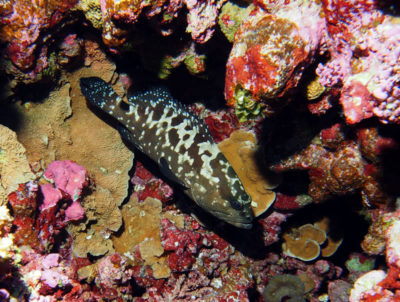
x,y
167,132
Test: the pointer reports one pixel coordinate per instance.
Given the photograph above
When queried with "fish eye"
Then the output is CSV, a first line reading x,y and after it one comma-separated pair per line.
x,y
124,106
235,204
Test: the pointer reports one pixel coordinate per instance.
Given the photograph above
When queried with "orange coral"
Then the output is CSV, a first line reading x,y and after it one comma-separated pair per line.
x,y
240,150
124,11
23,21
142,230
304,243
309,241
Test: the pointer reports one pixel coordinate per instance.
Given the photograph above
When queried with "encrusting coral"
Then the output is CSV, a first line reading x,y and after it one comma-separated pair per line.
x,y
57,129
14,165
310,241
270,51
304,242
231,16
288,287
240,150
142,231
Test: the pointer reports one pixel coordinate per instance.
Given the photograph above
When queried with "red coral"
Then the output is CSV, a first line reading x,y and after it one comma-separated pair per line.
x,y
270,51
24,204
357,102
147,185
183,244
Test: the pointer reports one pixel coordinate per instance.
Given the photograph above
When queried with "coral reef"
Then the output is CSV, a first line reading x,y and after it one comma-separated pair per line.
x,y
361,41
338,165
381,285
309,86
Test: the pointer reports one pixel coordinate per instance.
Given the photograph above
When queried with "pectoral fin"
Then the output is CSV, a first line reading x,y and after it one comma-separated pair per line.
x,y
166,171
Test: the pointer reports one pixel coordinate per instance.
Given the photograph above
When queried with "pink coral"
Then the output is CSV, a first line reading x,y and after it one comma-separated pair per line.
x,y
74,212
51,196
202,18
68,176
364,53
38,222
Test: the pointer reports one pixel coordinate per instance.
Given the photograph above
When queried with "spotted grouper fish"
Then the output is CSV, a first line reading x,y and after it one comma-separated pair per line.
x,y
180,143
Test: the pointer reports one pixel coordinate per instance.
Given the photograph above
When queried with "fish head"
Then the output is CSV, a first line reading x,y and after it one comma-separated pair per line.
x,y
98,92
233,209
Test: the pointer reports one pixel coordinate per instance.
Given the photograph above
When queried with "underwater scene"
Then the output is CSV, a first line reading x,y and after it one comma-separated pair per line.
x,y
200,150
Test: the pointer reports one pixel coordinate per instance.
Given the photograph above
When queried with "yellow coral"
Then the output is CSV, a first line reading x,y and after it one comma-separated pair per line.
x,y
309,241
14,166
304,242
92,11
315,89
6,241
142,228
240,151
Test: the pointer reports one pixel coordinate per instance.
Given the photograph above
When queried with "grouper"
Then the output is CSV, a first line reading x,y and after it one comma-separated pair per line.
x,y
180,142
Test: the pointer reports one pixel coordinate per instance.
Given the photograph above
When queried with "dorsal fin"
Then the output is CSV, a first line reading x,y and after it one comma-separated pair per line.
x,y
160,96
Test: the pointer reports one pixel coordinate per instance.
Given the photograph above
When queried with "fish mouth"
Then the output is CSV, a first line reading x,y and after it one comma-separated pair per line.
x,y
241,222
241,225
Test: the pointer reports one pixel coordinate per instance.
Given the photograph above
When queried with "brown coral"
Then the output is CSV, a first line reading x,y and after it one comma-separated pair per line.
x,y
14,166
304,242
63,127
240,150
309,241
142,230
331,244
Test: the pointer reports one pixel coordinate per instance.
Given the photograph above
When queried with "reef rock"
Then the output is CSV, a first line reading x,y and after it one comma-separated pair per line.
x,y
270,51
63,127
